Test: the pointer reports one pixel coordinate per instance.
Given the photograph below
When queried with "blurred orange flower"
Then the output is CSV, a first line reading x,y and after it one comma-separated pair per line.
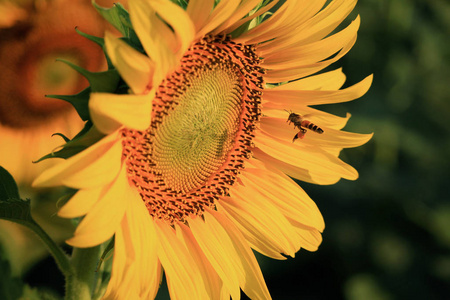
x,y
33,34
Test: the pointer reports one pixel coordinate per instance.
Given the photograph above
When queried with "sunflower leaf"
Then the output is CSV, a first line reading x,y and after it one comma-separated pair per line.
x,y
79,101
16,210
101,82
8,186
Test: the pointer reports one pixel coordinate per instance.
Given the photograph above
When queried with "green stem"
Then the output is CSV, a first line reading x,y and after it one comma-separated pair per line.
x,y
79,285
61,258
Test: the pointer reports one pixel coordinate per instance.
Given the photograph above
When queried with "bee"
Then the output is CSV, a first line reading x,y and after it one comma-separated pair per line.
x,y
301,123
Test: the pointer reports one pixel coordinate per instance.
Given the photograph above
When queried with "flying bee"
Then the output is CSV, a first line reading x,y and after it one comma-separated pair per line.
x,y
301,123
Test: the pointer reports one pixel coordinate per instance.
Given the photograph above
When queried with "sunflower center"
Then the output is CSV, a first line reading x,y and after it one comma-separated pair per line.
x,y
193,141
203,119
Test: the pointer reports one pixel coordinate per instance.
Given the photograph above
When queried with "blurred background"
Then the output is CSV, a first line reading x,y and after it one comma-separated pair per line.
x,y
387,234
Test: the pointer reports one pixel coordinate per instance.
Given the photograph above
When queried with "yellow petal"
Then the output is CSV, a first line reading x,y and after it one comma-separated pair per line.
x,y
199,11
323,118
184,279
136,268
142,236
179,21
283,21
313,29
265,226
273,23
154,37
316,51
220,14
324,22
256,241
291,72
241,11
295,99
212,281
122,283
218,250
99,173
310,239
329,138
103,220
304,156
285,194
230,255
134,67
332,80
95,166
251,17
81,203
295,171
109,112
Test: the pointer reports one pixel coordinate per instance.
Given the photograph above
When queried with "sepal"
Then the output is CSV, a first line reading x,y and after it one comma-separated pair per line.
x,y
87,136
101,82
79,102
119,17
99,41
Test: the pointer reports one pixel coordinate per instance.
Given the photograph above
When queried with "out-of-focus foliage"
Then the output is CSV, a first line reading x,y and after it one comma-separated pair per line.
x,y
387,235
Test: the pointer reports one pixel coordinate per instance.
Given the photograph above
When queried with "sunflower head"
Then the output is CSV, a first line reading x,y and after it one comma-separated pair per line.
x,y
187,140
203,120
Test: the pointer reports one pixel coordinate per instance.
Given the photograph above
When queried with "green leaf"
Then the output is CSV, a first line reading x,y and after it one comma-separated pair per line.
x,y
79,101
117,16
8,186
101,82
18,211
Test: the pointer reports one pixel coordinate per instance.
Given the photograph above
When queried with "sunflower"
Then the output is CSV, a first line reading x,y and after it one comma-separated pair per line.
x,y
192,166
33,35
